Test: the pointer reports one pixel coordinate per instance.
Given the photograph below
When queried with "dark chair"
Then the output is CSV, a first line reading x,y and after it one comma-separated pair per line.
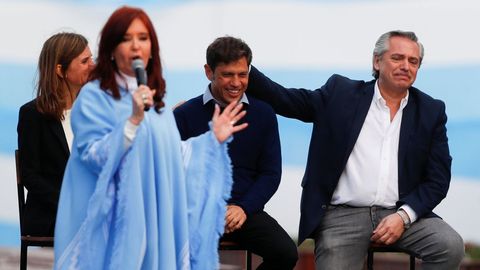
x,y
382,248
229,245
26,240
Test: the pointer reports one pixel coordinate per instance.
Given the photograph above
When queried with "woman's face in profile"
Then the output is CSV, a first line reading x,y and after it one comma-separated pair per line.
x,y
136,43
78,71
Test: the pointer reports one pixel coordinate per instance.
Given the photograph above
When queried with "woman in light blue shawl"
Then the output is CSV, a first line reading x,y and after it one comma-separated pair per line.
x,y
134,196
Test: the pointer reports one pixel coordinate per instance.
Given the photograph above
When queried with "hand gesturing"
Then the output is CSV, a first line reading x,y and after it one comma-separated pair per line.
x,y
224,123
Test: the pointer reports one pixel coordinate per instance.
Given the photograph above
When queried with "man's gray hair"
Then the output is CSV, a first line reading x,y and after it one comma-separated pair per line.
x,y
381,46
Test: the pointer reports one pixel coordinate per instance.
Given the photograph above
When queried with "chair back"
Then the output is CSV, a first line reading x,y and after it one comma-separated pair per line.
x,y
26,240
20,190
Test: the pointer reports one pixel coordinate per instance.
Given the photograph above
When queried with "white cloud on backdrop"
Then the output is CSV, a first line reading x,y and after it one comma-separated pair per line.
x,y
288,34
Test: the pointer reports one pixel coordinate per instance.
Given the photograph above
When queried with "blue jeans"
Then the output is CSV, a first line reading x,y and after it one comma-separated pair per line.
x,y
343,237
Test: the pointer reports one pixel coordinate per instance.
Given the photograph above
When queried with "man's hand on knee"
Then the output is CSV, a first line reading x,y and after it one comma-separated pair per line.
x,y
389,230
234,218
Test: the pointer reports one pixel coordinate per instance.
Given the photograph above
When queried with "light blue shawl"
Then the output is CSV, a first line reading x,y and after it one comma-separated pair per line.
x,y
153,205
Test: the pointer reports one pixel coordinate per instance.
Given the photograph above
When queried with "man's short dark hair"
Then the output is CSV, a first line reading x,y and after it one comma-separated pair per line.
x,y
226,50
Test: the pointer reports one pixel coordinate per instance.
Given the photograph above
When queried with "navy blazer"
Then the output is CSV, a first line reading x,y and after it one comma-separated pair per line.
x,y
44,153
337,111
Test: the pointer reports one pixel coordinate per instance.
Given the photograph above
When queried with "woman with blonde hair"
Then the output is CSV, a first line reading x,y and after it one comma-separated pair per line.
x,y
44,131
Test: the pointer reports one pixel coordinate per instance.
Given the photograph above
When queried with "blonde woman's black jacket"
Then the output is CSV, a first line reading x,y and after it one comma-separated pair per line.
x,y
43,156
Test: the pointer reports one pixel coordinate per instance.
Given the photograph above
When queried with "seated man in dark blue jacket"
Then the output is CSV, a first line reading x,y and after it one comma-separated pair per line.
x,y
378,163
255,153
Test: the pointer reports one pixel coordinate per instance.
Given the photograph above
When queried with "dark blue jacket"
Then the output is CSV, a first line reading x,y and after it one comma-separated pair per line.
x,y
255,151
337,111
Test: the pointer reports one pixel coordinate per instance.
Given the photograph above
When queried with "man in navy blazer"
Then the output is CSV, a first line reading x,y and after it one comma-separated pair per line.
x,y
255,153
378,162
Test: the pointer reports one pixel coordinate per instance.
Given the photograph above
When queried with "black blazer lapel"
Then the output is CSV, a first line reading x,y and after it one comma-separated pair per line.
x,y
363,100
57,129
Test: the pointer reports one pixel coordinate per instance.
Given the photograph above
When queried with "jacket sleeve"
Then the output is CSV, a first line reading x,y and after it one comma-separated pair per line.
x,y
30,148
297,103
434,177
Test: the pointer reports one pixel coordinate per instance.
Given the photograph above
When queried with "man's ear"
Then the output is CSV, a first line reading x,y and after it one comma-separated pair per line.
x,y
58,70
208,72
376,59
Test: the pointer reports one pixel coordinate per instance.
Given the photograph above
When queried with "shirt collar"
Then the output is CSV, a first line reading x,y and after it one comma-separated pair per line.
x,y
207,96
377,97
126,81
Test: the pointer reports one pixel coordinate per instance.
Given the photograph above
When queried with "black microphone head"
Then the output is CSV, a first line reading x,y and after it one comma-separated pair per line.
x,y
137,63
140,73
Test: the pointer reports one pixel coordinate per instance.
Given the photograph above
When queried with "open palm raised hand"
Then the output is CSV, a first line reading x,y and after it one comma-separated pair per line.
x,y
224,123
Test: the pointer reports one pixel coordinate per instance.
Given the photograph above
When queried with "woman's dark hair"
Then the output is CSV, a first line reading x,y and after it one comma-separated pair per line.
x,y
112,34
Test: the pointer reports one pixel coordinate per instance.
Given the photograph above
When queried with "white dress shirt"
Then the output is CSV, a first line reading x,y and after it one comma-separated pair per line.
x,y
67,127
370,177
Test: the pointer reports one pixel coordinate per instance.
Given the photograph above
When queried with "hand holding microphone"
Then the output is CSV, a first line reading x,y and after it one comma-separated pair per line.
x,y
142,98
141,75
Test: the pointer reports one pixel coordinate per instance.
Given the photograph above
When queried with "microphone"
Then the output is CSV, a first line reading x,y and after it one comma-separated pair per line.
x,y
140,74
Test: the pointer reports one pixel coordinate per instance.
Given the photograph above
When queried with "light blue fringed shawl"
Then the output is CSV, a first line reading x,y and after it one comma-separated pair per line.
x,y
155,205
